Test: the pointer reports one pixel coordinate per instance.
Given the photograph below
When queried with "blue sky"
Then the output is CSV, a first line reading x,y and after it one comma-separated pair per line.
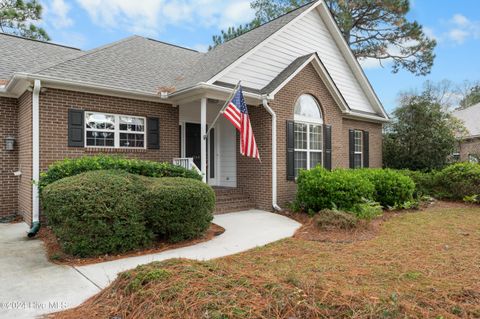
x,y
90,23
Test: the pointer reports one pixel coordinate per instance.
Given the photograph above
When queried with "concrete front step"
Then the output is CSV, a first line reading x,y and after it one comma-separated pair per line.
x,y
231,200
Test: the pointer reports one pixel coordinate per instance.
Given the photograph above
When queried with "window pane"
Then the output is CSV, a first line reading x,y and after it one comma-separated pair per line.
x,y
307,107
301,136
300,161
358,141
316,137
131,140
100,121
132,124
315,159
100,139
357,160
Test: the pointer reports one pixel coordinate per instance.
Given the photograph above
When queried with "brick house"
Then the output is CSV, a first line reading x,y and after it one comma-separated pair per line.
x,y
469,144
309,101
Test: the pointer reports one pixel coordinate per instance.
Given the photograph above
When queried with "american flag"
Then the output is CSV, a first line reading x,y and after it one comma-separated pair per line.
x,y
237,113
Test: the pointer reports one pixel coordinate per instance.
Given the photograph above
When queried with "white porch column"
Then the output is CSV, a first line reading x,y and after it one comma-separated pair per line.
x,y
203,133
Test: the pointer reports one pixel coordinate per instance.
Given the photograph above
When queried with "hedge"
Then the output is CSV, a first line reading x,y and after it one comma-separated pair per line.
x,y
179,210
392,188
110,212
341,189
97,213
71,167
458,181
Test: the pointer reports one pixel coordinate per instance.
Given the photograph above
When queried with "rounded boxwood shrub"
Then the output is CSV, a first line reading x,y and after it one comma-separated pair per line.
x,y
100,212
458,181
71,167
320,189
178,208
391,187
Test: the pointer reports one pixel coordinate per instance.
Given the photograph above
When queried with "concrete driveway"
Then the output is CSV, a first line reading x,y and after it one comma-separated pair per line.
x,y
30,285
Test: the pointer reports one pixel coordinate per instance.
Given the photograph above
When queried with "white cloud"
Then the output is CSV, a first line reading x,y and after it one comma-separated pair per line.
x,y
458,35
57,13
153,16
463,29
201,47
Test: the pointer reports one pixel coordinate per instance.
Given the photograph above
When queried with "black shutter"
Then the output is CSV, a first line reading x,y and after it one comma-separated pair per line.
x,y
290,150
366,149
351,148
327,147
76,128
153,133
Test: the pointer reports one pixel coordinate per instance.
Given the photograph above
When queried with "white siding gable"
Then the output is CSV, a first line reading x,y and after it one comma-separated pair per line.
x,y
306,35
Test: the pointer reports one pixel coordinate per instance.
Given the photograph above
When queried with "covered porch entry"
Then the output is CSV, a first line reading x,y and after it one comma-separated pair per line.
x,y
216,156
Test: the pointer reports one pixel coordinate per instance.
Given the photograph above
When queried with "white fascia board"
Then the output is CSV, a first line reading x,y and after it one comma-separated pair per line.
x,y
326,78
351,59
80,86
259,46
212,91
366,117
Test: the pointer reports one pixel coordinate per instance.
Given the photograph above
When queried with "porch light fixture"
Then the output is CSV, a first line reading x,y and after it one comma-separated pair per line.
x,y
9,143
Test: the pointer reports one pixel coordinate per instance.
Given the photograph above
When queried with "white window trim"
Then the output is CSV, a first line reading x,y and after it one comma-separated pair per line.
x,y
355,148
308,150
116,131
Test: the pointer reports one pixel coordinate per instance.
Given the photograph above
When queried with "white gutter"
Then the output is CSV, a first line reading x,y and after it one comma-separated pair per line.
x,y
35,150
274,153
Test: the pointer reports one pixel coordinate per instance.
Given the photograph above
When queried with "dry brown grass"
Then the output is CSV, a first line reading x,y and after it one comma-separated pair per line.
x,y
420,265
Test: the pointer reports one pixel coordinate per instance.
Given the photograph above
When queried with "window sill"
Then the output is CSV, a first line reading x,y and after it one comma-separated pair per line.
x,y
114,150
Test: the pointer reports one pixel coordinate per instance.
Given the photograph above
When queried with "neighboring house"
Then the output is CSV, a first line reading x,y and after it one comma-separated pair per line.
x,y
309,102
469,145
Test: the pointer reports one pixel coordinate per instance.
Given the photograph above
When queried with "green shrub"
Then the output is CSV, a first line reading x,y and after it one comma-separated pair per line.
x,y
367,210
71,167
425,182
97,213
458,181
320,189
391,187
328,219
178,208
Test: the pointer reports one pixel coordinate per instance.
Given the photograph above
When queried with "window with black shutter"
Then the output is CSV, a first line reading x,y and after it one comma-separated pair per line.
x,y
76,126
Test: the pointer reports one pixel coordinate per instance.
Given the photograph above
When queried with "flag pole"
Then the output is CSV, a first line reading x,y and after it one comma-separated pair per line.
x,y
223,109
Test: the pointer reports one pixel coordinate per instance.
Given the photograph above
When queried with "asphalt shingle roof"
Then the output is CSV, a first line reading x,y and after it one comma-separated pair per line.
x,y
18,54
471,119
136,63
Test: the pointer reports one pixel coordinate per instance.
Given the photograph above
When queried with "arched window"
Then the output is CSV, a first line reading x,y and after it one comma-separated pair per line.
x,y
308,133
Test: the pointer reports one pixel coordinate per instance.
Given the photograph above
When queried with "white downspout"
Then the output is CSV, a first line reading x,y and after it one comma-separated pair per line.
x,y
274,153
35,150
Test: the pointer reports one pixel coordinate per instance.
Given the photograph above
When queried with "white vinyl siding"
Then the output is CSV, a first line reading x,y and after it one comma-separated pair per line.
x,y
305,36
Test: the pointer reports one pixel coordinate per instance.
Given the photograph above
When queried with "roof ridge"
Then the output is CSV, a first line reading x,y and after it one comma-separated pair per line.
x,y
171,44
86,53
268,22
39,41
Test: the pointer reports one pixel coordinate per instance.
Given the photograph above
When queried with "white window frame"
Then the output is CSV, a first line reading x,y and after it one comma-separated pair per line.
x,y
116,132
355,147
308,150
309,122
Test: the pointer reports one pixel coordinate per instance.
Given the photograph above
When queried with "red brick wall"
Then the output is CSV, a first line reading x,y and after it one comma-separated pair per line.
x,y
253,177
25,156
306,82
54,105
471,146
8,159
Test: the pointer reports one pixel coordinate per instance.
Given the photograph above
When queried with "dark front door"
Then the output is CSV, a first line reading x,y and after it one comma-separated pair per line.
x,y
192,142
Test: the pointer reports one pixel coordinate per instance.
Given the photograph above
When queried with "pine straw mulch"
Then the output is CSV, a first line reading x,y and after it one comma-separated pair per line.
x,y
420,265
56,255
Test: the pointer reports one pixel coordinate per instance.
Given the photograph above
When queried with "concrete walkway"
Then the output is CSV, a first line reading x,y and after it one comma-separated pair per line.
x,y
30,285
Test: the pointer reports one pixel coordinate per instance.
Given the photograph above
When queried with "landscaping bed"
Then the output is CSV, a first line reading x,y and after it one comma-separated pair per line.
x,y
56,255
421,264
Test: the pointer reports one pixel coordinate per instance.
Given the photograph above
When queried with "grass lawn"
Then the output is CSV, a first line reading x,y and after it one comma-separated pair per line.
x,y
422,265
